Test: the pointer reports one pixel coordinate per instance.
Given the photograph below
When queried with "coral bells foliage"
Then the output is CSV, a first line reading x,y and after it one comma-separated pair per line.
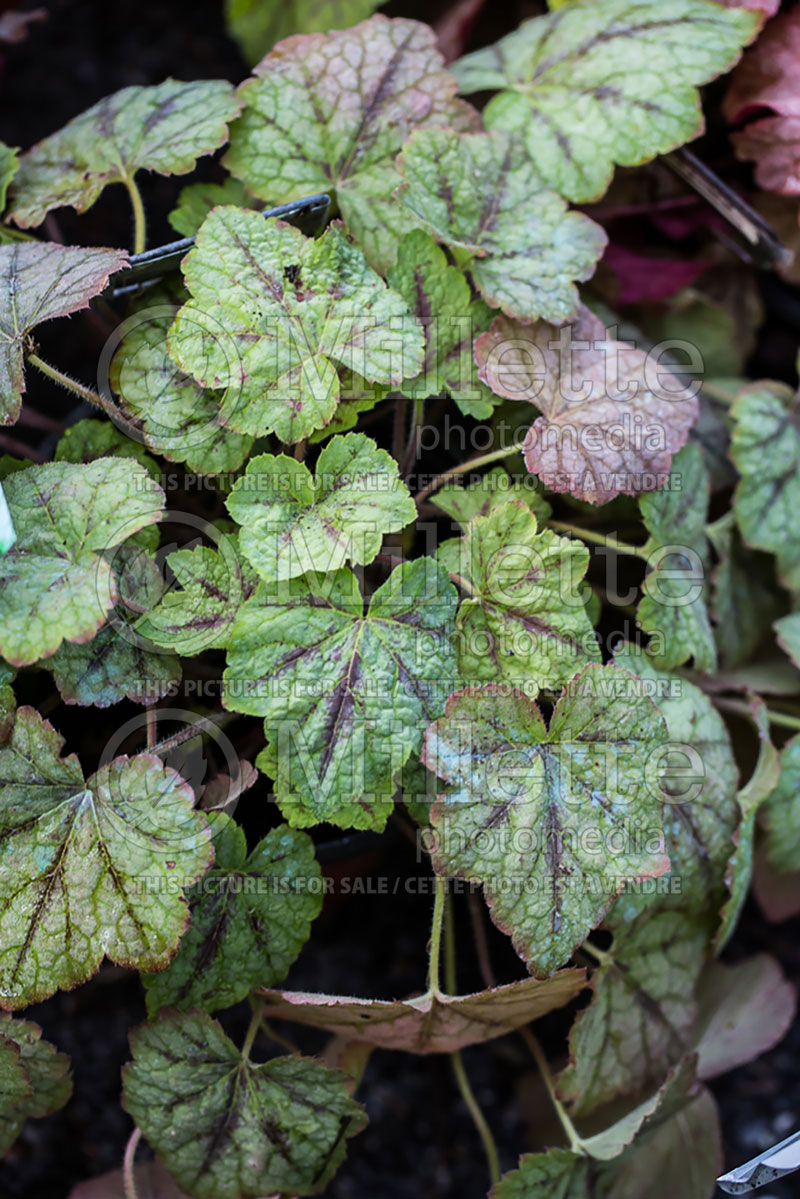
x,y
274,531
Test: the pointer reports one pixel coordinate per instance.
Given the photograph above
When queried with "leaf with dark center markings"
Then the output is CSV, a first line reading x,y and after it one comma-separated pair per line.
x,y
593,84
86,866
552,821
164,128
44,1071
330,113
346,694
228,1128
251,915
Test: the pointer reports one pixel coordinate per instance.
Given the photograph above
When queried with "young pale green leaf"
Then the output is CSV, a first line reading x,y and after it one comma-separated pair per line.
x,y
87,867
700,811
673,608
440,298
37,283
523,620
559,1172
481,194
227,1128
762,782
45,1073
788,631
607,1145
55,584
165,128
8,169
214,583
611,421
117,663
294,522
169,411
257,26
251,916
330,113
87,440
765,447
492,489
551,821
196,201
430,1023
346,694
596,84
272,315
637,1025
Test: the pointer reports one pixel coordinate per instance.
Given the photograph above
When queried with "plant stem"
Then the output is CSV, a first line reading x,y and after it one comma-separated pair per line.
x,y
434,952
472,464
575,1143
139,222
78,389
204,724
607,539
253,1027
128,1180
478,1118
783,719
599,955
481,940
152,728
461,582
410,455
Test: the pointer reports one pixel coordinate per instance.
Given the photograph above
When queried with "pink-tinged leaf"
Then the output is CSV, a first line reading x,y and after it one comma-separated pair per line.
x,y
14,25
777,895
612,417
743,1011
642,278
774,145
429,1023
767,7
769,73
454,28
39,282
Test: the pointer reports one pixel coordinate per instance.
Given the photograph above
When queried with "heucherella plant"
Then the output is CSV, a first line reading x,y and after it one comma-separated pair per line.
x,y
272,533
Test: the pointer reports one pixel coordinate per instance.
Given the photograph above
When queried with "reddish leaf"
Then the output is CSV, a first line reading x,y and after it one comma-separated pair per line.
x,y
642,278
453,29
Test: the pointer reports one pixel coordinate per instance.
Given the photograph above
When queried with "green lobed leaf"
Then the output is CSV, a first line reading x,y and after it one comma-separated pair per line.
x,y
481,194
356,396
168,410
700,811
8,701
559,1172
492,489
346,693
251,916
118,663
197,199
43,1070
596,84
39,282
744,602
228,1128
294,522
330,113
782,812
55,584
257,25
638,1024
607,1145
88,440
87,867
610,421
523,620
673,608
440,298
164,128
273,314
765,448
214,583
551,821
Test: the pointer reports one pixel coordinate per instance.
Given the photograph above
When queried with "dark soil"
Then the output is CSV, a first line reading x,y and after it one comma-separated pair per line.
x,y
420,1142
